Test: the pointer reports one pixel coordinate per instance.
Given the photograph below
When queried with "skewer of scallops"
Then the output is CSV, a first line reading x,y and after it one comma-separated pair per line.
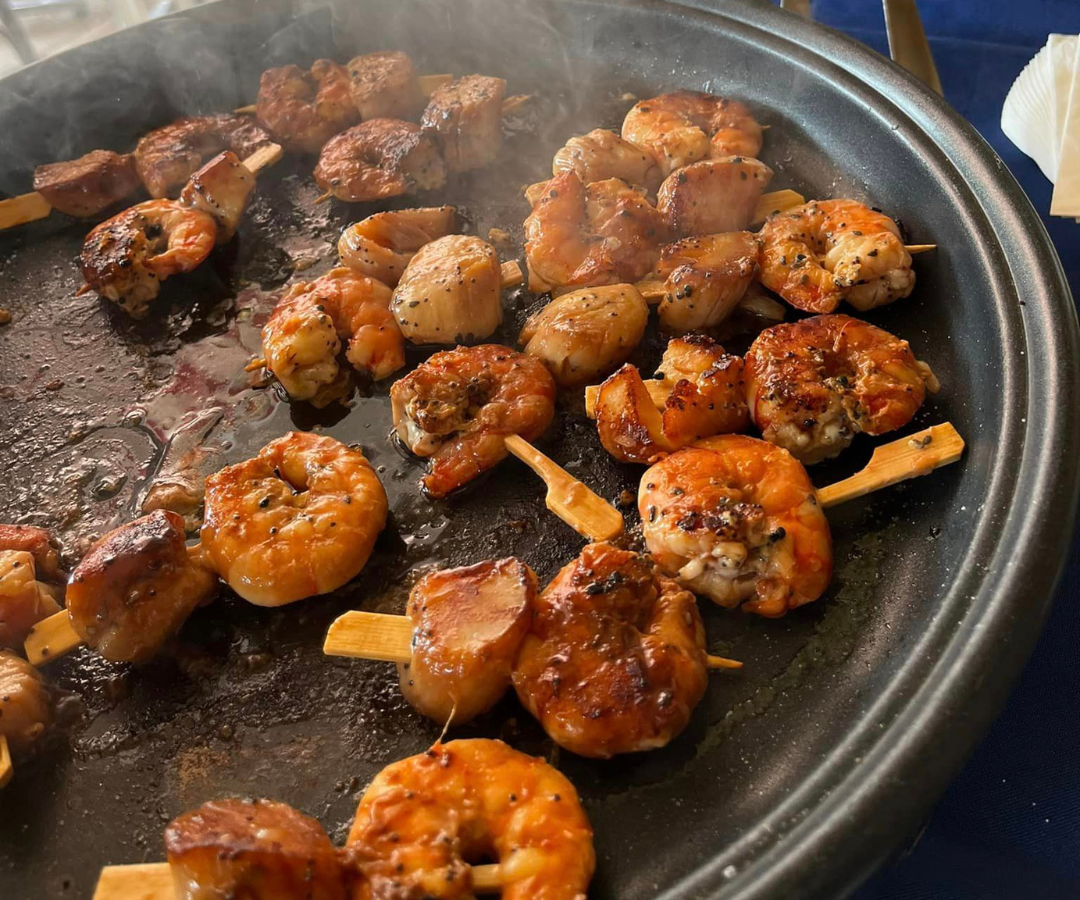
x,y
419,823
571,652
302,110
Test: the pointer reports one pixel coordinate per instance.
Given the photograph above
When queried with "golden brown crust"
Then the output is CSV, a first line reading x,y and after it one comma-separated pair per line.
x,y
377,159
814,384
458,406
384,85
135,587
259,849
26,705
467,626
713,196
88,185
737,520
615,657
166,157
304,109
465,117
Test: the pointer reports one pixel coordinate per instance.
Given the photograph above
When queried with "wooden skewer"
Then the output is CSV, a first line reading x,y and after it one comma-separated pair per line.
x,y
365,635
511,273
909,457
266,155
6,769
154,881
589,514
33,206
22,209
51,637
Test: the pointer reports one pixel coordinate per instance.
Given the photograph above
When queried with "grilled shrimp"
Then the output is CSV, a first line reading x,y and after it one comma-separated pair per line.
x,y
450,292
377,159
252,849
813,385
465,118
24,601
302,337
736,519
303,110
167,157
25,703
826,251
381,245
602,154
714,195
467,626
126,258
684,126
706,396
459,405
85,186
221,188
425,818
384,85
606,233
299,519
705,278
136,586
36,542
585,334
614,661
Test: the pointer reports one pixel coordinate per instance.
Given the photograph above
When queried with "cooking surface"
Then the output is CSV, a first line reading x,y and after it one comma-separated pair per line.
x,y
93,405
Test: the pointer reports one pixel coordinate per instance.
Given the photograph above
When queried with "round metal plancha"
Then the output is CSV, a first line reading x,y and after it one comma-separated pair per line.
x,y
799,774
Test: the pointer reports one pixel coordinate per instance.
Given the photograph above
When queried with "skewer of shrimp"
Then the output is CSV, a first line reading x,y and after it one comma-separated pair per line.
x,y
390,638
417,826
154,881
126,257
297,520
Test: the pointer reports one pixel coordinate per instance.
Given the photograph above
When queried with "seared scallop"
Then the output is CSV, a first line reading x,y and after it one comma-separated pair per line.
x,y
254,850
467,626
466,119
587,333
450,292
714,195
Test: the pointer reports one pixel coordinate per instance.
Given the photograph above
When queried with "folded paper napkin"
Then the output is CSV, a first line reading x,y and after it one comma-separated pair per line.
x,y
1041,116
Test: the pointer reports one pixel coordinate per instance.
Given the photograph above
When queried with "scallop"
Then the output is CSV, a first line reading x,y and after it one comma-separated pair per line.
x,y
450,292
585,334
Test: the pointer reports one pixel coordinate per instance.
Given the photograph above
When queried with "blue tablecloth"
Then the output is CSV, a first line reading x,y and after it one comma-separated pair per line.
x,y
1009,827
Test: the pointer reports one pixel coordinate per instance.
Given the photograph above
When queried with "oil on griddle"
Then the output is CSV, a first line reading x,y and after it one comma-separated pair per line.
x,y
94,407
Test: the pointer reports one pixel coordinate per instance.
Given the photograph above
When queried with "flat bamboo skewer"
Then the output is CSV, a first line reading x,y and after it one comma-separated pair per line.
x,y
589,514
33,206
909,457
53,636
6,768
377,636
154,881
